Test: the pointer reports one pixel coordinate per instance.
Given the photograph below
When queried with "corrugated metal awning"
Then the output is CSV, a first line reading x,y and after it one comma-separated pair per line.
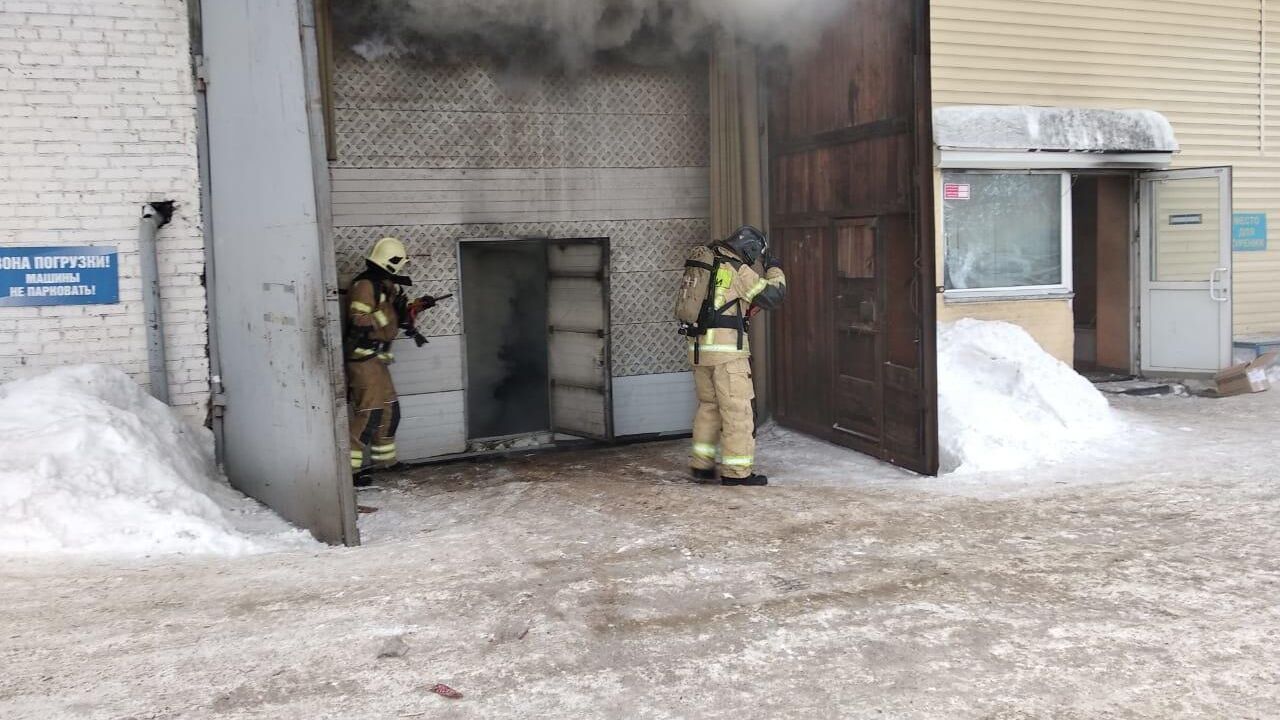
x,y
1052,129
999,136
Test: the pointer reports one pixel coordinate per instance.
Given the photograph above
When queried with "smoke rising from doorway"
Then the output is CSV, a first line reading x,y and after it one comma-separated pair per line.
x,y
569,34
504,305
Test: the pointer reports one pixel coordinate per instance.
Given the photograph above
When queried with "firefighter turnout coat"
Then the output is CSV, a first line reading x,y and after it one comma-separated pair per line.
x,y
372,325
724,426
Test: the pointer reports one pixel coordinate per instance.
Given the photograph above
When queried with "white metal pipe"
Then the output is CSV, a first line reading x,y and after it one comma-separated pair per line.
x,y
153,218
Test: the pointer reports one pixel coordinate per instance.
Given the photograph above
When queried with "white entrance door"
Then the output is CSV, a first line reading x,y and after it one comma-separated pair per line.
x,y
1185,269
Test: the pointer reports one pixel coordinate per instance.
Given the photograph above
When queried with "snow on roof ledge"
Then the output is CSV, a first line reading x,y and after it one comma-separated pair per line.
x,y
1027,128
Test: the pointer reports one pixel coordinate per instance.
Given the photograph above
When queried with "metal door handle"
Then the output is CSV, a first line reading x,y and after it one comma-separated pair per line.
x,y
1214,279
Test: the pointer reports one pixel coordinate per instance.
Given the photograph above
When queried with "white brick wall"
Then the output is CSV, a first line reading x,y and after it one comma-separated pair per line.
x,y
97,117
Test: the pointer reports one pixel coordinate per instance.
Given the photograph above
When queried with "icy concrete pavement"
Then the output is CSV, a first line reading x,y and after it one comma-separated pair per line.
x,y
1141,581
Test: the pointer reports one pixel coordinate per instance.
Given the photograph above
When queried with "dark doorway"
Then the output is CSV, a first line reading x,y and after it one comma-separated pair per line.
x,y
504,305
1101,223
852,216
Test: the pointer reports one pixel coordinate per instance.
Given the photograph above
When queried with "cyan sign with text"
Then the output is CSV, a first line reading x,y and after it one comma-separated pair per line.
x,y
1249,232
58,276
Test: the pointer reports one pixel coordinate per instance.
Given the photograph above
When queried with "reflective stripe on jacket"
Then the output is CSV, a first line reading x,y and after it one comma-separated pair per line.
x,y
372,322
740,285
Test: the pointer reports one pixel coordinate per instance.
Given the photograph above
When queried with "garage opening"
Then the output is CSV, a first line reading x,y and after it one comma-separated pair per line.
x,y
437,135
556,205
504,307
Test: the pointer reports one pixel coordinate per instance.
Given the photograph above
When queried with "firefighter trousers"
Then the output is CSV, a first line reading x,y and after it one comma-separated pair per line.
x,y
374,416
724,425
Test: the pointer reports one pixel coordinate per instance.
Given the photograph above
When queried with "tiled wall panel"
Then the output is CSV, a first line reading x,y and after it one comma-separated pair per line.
x,y
440,153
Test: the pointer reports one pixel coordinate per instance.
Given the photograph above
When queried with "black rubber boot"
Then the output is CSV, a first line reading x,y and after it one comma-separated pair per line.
x,y
701,475
362,479
753,480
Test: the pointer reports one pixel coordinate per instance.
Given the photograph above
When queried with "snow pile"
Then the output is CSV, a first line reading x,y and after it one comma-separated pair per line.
x,y
1004,403
1021,127
89,463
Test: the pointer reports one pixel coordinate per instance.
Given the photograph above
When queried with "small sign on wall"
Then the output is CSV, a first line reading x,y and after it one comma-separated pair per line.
x,y
1187,219
957,191
1249,232
59,276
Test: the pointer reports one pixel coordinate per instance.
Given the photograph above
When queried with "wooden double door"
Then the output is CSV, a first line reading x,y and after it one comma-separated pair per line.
x,y
851,214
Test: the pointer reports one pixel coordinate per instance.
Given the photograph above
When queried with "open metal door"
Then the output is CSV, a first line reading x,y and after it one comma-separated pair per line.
x,y
276,287
578,338
1185,271
851,214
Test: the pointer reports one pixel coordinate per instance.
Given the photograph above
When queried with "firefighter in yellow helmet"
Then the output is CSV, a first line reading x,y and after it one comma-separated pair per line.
x,y
377,311
720,351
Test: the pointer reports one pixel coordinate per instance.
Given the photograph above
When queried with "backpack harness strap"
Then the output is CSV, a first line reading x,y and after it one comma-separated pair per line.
x,y
365,348
713,317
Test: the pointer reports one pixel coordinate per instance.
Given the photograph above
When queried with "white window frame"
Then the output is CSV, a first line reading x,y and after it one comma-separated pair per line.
x,y
1062,289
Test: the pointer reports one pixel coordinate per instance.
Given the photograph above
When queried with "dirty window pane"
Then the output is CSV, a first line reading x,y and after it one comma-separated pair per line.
x,y
1002,231
1188,244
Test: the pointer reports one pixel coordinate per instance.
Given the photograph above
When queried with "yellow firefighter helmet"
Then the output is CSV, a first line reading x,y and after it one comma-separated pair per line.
x,y
389,254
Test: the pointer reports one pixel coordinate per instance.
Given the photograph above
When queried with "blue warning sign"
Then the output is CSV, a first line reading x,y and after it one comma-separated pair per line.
x,y
59,276
1249,232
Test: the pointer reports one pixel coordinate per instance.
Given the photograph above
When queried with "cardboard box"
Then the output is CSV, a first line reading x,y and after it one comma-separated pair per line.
x,y
1245,378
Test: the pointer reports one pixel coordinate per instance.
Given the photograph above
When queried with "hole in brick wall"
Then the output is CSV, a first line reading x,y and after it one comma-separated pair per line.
x,y
165,208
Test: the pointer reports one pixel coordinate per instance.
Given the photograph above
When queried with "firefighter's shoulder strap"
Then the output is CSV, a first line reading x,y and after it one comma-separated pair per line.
x,y
720,316
697,307
379,294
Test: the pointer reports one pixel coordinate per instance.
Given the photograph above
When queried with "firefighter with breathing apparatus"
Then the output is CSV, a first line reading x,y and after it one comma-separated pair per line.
x,y
378,310
720,292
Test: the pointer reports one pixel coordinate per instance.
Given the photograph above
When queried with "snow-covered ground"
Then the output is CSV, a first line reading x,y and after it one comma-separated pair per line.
x,y
91,464
1136,579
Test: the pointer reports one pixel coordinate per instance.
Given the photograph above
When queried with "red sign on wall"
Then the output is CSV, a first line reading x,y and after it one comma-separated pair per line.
x,y
956,191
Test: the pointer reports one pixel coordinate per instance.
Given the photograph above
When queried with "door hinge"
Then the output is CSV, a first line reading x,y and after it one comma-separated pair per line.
x,y
202,73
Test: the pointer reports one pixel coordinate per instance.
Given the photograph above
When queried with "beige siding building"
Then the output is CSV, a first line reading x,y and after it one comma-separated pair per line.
x,y
1211,68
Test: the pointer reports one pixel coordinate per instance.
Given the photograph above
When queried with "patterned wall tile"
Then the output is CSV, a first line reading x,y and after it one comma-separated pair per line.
x,y
648,349
369,138
432,256
445,318
403,113
643,297
635,246
650,252
659,245
411,84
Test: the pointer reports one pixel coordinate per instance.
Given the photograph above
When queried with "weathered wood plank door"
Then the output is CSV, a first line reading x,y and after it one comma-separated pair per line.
x,y
851,211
